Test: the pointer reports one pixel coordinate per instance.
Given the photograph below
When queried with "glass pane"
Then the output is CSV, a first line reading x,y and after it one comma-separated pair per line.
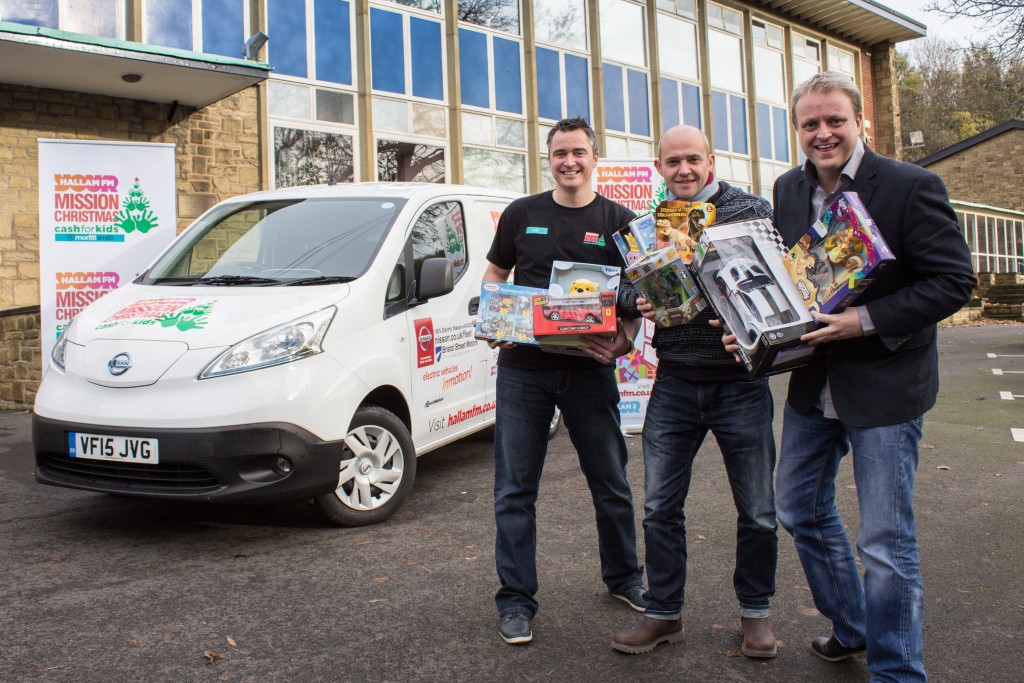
x,y
561,22
720,116
333,40
776,37
677,47
95,18
308,157
286,22
409,162
440,232
691,106
335,106
623,36
475,69
614,104
511,133
764,131
687,8
733,21
32,12
288,99
427,71
390,115
169,23
638,149
667,5
549,84
803,70
477,129
669,103
715,16
501,15
508,76
781,125
429,5
738,116
547,182
577,86
727,66
501,170
639,103
723,167
427,120
617,148
387,51
768,74
758,33
223,27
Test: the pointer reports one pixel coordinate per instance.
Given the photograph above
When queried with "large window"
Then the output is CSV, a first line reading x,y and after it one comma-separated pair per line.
x,y
400,161
728,95
842,61
406,54
772,97
627,99
562,23
680,71
500,15
806,57
491,71
320,51
311,157
104,18
555,68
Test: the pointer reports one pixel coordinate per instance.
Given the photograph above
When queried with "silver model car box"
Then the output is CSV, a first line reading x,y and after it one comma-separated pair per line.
x,y
739,267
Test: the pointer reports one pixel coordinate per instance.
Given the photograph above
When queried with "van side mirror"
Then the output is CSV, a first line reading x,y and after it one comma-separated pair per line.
x,y
436,278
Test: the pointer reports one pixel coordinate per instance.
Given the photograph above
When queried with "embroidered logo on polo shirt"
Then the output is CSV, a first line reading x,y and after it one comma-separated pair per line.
x,y
593,238
536,231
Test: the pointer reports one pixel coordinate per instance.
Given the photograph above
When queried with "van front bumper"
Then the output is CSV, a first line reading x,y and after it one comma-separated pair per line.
x,y
236,464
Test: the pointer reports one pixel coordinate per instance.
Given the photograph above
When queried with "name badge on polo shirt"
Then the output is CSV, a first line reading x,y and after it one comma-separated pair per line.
x,y
536,231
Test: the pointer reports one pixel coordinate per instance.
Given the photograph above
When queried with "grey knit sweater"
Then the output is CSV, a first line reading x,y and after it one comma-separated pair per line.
x,y
694,350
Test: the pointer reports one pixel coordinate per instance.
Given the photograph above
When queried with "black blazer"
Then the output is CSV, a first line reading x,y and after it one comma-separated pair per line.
x,y
891,376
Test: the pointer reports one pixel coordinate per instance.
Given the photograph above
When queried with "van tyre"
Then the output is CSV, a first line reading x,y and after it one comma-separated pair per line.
x,y
377,470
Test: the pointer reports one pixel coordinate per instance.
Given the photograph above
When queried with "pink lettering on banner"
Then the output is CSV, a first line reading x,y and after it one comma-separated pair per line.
x,y
623,174
84,182
88,280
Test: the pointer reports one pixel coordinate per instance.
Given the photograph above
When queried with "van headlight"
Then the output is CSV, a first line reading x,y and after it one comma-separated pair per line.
x,y
282,344
61,347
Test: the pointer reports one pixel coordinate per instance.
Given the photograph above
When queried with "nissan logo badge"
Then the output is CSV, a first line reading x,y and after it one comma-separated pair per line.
x,y
120,364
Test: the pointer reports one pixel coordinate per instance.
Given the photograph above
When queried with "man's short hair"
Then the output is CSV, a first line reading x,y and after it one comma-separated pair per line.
x,y
825,82
569,125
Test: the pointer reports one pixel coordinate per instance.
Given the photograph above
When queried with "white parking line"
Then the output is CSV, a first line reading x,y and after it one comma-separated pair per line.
x,y
1018,434
997,371
1004,355
1007,396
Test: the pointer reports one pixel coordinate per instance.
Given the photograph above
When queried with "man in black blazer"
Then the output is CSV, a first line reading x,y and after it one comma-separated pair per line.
x,y
874,377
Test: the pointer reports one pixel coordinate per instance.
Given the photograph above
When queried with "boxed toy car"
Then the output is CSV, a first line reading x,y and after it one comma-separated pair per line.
x,y
739,267
838,257
679,224
663,279
506,313
580,300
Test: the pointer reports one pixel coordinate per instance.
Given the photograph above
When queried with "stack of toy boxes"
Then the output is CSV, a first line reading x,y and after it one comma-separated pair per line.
x,y
580,300
506,313
838,257
661,275
739,266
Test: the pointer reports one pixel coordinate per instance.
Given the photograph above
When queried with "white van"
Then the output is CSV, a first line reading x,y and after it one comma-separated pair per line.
x,y
299,343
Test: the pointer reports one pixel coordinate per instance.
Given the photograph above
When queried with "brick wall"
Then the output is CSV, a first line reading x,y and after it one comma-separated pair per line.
x,y
885,103
990,172
217,154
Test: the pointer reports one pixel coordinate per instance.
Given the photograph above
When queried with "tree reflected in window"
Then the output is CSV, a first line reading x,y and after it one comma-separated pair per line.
x,y
501,15
409,162
308,157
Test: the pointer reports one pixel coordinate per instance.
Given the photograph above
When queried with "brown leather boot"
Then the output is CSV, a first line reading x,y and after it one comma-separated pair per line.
x,y
647,635
758,639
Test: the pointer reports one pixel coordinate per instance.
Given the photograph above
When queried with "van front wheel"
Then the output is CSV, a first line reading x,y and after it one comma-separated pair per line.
x,y
377,470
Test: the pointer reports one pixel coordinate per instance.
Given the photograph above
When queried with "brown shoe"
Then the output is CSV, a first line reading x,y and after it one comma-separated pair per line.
x,y
647,635
758,640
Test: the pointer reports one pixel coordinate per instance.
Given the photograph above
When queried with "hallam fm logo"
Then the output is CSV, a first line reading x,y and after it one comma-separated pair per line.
x,y
424,331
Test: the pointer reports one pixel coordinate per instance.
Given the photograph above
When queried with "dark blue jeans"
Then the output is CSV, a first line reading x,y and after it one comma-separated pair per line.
x,y
589,403
679,415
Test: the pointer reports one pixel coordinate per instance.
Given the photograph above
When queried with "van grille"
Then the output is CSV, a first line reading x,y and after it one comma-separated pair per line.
x,y
100,474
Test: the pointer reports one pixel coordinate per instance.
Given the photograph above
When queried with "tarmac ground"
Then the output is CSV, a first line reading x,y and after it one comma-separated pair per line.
x,y
97,588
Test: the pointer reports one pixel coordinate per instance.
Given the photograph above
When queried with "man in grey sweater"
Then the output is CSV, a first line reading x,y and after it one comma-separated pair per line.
x,y
700,387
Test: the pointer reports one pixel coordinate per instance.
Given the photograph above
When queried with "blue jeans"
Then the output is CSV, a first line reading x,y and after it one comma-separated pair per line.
x,y
886,612
679,415
589,402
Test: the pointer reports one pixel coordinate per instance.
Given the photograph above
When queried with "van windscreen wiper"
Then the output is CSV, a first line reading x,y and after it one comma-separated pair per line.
x,y
320,280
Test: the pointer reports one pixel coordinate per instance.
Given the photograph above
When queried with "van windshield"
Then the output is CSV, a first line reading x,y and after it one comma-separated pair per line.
x,y
294,241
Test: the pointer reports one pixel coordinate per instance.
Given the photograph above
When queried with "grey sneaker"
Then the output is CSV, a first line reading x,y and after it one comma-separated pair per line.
x,y
635,597
515,628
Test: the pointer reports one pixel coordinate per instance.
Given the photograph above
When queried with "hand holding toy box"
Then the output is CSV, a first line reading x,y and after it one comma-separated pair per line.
x,y
580,300
506,313
679,224
838,257
663,279
739,267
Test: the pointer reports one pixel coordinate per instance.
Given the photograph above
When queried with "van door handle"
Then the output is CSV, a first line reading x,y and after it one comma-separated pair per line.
x,y
474,305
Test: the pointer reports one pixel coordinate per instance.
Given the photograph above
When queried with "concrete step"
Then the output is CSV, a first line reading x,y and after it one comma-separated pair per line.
x,y
1003,311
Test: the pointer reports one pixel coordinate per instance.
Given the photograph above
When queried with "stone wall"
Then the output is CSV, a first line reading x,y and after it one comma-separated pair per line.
x,y
990,172
21,361
218,152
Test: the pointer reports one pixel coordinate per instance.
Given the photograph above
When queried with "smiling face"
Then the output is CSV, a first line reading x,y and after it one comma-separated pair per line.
x,y
828,131
572,160
684,161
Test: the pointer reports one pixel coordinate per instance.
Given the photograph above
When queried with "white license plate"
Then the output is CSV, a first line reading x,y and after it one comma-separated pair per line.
x,y
117,448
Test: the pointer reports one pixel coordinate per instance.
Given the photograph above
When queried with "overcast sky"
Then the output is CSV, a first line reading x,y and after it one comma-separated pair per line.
x,y
957,30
